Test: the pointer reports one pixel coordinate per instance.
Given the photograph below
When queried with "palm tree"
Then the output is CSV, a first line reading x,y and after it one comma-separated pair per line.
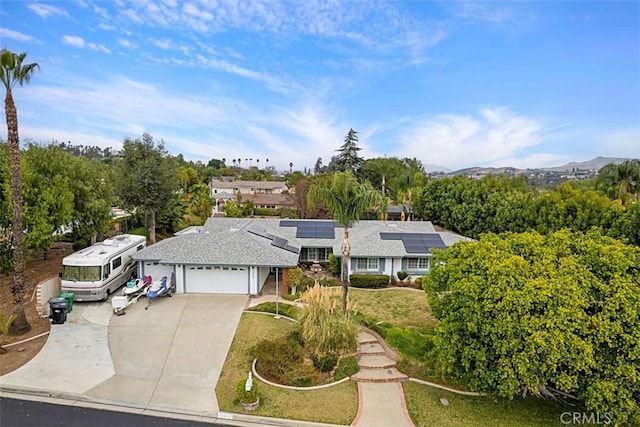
x,y
627,176
12,71
347,200
234,163
290,168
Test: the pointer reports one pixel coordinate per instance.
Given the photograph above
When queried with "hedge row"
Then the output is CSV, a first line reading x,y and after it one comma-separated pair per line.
x,y
369,280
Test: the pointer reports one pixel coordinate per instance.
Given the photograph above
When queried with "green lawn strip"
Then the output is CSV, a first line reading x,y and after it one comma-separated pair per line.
x,y
425,409
336,405
400,307
284,309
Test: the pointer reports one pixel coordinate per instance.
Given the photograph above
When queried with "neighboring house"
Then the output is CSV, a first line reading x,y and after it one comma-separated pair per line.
x,y
400,213
263,194
236,255
248,187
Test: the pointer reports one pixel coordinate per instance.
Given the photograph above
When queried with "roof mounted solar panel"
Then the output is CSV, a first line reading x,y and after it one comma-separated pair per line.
x,y
279,242
325,233
257,230
292,249
390,236
288,223
305,234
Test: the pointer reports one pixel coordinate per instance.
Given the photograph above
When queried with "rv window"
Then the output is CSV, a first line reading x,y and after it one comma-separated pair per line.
x,y
140,247
88,273
106,271
117,262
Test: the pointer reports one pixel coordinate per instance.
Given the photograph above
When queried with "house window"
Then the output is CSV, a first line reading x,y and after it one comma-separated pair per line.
x,y
367,263
418,263
315,254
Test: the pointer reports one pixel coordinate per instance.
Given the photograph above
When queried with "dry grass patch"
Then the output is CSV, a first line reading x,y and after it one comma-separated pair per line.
x,y
401,307
335,405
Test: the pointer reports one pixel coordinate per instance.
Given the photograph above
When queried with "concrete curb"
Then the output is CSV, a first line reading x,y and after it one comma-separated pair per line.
x,y
230,418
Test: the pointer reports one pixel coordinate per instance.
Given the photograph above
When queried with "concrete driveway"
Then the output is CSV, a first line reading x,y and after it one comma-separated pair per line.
x,y
168,357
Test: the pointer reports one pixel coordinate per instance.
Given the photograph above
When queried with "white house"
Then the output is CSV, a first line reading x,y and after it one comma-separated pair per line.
x,y
236,255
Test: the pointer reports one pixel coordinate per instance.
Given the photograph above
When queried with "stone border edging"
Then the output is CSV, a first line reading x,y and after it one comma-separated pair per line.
x,y
442,387
290,387
26,340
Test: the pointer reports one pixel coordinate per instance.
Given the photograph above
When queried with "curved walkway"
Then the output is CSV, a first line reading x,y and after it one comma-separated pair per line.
x,y
380,394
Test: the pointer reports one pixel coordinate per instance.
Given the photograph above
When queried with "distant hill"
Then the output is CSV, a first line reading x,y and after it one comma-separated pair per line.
x,y
593,164
435,168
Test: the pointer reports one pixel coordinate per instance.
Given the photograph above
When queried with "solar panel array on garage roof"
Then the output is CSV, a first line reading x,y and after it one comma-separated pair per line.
x,y
416,243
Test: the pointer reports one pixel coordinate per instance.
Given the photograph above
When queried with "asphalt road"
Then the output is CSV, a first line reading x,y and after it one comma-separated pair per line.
x,y
24,413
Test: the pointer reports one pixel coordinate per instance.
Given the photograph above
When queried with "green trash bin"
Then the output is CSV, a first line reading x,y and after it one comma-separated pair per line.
x,y
68,296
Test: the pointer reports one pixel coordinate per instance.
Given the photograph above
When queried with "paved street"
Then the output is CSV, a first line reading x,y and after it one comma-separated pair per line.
x,y
25,413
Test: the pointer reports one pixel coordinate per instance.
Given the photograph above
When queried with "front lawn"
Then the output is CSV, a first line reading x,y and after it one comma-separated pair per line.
x,y
401,307
423,403
336,405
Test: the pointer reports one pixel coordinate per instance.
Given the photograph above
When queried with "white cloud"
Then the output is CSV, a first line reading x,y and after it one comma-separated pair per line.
x,y
15,35
127,43
488,137
80,43
46,10
73,41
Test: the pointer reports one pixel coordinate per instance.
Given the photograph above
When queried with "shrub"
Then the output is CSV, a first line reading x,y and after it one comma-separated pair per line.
x,y
282,360
264,212
369,280
402,275
329,281
324,363
295,278
347,367
275,357
410,342
325,327
334,265
245,396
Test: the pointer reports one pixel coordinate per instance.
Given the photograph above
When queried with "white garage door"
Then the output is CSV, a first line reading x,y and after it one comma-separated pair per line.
x,y
216,280
156,271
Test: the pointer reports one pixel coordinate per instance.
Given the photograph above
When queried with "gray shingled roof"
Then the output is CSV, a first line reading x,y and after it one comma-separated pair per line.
x,y
227,241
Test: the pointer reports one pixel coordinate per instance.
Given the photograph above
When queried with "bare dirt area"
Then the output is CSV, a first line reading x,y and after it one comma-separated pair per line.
x,y
37,270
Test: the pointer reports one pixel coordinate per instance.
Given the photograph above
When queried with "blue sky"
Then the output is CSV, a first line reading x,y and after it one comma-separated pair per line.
x,y
453,84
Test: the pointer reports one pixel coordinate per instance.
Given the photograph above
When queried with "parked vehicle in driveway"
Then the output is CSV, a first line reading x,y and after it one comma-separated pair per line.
x,y
94,273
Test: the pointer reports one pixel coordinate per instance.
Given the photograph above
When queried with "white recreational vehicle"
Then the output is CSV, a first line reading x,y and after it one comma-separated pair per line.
x,y
95,272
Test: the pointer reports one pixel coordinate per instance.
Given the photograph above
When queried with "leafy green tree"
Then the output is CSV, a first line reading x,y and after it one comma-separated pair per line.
x,y
232,209
13,70
348,201
527,313
48,199
92,184
348,158
147,178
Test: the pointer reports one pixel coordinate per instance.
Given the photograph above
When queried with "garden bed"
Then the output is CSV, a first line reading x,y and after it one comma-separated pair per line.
x,y
335,405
